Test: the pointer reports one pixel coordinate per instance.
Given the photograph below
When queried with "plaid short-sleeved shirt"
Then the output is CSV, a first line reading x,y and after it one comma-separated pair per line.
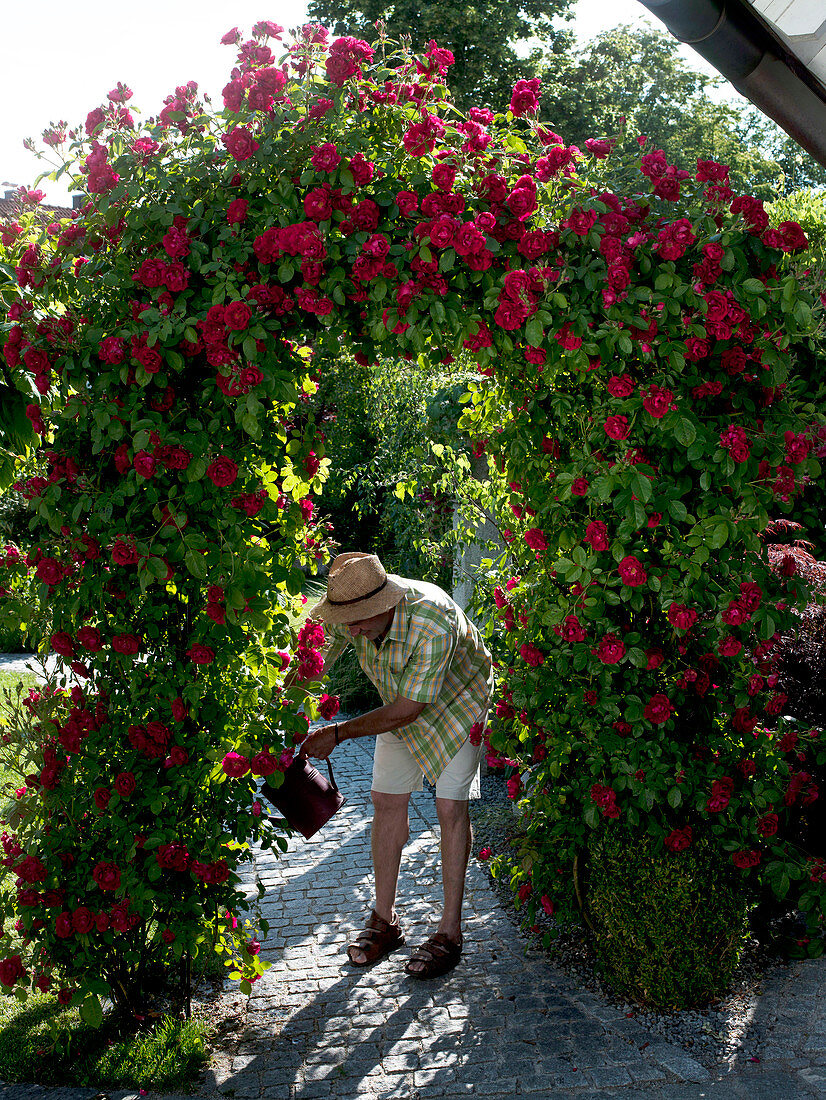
x,y
432,654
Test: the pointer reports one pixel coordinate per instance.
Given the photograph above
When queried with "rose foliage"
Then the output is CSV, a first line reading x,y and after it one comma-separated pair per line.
x,y
640,346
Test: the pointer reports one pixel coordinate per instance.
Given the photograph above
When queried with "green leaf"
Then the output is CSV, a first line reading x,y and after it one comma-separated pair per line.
x,y
195,564
641,487
802,314
91,1011
685,431
534,332
157,568
719,536
675,797
753,286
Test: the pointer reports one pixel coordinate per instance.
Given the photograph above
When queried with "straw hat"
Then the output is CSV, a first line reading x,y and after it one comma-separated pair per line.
x,y
358,588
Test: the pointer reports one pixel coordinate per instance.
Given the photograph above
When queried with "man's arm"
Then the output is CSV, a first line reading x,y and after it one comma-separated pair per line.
x,y
392,716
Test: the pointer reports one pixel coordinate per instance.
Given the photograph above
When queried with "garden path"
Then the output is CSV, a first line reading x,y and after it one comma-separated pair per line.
x,y
505,1023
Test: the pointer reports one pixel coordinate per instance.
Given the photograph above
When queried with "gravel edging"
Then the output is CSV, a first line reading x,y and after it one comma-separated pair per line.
x,y
716,1036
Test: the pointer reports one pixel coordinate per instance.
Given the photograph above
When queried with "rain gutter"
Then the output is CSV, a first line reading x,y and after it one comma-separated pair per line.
x,y
751,54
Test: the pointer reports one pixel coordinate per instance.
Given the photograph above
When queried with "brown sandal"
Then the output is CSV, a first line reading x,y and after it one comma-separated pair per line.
x,y
439,955
377,939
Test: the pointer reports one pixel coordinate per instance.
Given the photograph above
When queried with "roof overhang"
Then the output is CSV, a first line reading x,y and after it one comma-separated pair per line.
x,y
772,51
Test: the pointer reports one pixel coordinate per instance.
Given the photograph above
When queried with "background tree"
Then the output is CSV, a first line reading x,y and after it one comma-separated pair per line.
x,y
633,82
482,36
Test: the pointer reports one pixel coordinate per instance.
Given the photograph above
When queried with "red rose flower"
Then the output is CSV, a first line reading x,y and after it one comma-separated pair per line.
x,y
240,143
531,655
237,211
620,385
125,784
144,464
596,535
237,316
173,857
83,920
535,538
62,643
49,571
235,765
681,617
106,875
744,859
222,472
178,756
128,644
658,709
124,552
11,970
729,646
90,638
217,612
264,763
571,630
328,706
679,839
657,401
617,427
201,654
631,571
610,650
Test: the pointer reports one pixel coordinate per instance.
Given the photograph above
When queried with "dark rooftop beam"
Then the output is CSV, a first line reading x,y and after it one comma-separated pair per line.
x,y
733,38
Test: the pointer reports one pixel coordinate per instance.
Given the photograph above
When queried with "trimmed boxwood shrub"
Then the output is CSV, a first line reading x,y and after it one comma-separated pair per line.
x,y
668,927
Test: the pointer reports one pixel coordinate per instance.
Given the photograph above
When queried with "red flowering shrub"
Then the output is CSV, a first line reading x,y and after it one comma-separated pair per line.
x,y
173,363
657,674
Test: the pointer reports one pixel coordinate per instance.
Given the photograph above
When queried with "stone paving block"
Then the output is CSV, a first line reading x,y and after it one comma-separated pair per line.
x,y
609,1076
311,1090
678,1062
814,1079
714,1090
498,1088
243,1085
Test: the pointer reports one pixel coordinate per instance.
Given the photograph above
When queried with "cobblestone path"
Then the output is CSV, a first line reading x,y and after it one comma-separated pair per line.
x,y
503,1024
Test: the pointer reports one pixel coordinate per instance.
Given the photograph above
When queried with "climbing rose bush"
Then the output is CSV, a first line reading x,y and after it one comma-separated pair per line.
x,y
672,405
165,338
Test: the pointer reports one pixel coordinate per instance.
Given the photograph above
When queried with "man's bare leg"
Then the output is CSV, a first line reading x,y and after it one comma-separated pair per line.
x,y
388,837
454,821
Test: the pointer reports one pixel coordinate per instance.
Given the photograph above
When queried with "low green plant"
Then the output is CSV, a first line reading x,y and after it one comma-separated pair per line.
x,y
348,682
12,640
668,927
44,1042
9,683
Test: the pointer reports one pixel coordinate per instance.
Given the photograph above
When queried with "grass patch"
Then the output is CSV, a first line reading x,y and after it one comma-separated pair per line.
x,y
44,1043
8,687
11,693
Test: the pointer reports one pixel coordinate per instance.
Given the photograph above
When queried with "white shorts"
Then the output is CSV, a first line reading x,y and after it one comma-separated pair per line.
x,y
397,771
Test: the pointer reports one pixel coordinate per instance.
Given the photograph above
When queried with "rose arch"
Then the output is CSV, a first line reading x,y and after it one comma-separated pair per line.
x,y
649,395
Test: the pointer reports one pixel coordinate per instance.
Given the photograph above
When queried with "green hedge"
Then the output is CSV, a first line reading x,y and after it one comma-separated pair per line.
x,y
668,927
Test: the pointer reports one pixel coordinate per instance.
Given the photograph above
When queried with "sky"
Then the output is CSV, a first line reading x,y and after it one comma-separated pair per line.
x,y
58,60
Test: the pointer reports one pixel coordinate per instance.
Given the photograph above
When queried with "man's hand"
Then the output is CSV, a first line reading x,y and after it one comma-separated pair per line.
x,y
320,743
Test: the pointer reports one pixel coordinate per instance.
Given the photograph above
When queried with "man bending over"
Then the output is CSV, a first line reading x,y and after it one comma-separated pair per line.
x,y
433,673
